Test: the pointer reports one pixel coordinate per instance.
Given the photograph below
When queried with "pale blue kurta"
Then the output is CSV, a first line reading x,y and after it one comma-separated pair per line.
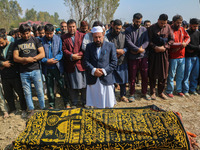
x,y
120,74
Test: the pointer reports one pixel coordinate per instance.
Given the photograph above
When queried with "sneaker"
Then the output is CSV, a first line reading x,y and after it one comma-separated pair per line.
x,y
187,94
31,114
181,94
170,95
194,93
24,114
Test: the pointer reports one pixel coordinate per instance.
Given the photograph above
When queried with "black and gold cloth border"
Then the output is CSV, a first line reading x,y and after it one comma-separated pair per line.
x,y
141,128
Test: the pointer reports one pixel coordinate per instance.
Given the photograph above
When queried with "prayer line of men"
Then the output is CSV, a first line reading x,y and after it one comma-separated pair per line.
x,y
93,61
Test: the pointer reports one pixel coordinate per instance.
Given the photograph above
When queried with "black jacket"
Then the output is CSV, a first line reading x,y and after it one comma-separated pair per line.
x,y
11,72
194,44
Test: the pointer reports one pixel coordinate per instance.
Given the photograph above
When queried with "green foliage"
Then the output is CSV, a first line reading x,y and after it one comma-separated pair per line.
x,y
10,12
42,16
31,14
89,10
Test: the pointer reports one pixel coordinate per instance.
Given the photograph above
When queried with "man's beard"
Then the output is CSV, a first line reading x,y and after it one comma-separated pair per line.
x,y
193,29
64,31
176,27
2,47
49,39
115,33
136,26
98,44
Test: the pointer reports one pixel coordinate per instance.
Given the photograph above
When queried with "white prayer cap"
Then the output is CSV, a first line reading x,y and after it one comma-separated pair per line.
x,y
97,29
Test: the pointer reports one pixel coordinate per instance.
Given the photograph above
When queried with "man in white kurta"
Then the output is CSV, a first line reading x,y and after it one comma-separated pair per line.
x,y
100,61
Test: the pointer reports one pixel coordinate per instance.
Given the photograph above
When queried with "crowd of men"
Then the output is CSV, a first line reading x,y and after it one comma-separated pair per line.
x,y
88,62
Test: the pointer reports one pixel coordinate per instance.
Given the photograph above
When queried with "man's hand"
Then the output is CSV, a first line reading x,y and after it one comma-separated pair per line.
x,y
7,64
120,52
98,73
52,61
184,44
76,57
29,60
159,49
140,50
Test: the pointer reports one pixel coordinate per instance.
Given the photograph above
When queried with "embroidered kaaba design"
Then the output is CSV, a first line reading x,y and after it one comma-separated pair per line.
x,y
144,128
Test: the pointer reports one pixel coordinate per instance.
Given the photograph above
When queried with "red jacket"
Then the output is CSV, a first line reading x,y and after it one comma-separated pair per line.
x,y
68,49
180,36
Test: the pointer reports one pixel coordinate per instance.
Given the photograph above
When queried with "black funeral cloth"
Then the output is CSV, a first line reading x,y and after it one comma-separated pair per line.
x,y
141,128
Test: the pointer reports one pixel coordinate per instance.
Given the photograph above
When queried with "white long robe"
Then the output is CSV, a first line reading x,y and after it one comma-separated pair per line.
x,y
99,95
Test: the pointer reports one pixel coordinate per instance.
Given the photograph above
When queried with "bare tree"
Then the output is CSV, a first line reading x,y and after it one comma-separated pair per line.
x,y
91,10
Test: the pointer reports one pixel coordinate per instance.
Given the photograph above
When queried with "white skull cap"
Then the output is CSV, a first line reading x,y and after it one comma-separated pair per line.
x,y
97,29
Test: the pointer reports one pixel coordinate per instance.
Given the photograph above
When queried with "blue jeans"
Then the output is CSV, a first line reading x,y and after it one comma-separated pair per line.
x,y
191,74
36,78
176,67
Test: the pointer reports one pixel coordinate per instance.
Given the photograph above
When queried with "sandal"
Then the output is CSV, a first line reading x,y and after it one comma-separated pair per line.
x,y
153,97
147,97
163,96
124,99
131,99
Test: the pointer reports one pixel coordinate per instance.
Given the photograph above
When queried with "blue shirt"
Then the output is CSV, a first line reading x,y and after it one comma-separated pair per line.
x,y
58,56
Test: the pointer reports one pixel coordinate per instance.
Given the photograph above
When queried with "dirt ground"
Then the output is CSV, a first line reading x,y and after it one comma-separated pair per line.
x,y
189,108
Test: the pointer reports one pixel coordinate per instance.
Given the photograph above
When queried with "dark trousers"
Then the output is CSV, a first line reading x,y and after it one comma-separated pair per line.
x,y
74,94
9,86
122,89
133,67
161,85
54,74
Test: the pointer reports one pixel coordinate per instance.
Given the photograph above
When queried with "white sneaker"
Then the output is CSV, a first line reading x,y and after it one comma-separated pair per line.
x,y
24,114
187,94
